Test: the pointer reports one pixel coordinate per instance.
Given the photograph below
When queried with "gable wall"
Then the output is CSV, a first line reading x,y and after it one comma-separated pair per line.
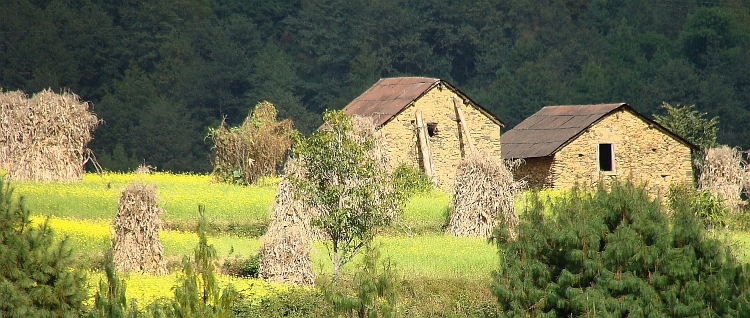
x,y
645,153
447,149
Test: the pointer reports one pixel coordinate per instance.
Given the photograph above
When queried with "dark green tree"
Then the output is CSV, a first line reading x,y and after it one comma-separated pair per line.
x,y
689,123
36,275
615,253
352,193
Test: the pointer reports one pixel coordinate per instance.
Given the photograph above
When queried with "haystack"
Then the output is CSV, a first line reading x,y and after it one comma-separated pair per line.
x,y
286,249
44,138
136,230
483,197
723,173
252,150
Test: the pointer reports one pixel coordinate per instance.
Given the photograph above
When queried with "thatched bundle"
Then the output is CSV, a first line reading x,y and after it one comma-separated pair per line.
x,y
44,138
252,150
483,197
286,255
136,230
723,173
286,250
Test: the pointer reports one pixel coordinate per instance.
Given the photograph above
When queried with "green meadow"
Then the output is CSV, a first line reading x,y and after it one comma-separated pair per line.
x,y
439,275
451,274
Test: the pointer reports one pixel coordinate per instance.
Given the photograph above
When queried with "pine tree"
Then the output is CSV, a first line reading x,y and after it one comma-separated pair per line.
x,y
36,279
614,253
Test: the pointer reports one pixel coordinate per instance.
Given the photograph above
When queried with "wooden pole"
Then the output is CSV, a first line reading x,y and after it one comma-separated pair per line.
x,y
423,145
462,121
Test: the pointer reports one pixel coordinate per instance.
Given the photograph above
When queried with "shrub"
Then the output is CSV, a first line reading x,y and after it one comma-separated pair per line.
x,y
242,267
703,204
374,293
295,301
615,253
410,180
36,279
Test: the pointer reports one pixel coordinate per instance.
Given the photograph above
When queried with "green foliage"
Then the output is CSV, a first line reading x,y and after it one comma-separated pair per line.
x,y
689,123
375,289
294,301
615,253
351,192
703,204
409,181
110,300
198,295
242,267
36,279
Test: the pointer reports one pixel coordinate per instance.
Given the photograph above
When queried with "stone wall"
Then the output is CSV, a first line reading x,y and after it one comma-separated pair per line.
x,y
447,144
535,171
642,152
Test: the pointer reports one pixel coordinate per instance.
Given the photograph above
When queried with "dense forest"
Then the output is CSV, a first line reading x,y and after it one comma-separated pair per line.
x,y
159,73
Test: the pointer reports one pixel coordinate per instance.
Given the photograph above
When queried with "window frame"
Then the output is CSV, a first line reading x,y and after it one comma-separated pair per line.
x,y
599,157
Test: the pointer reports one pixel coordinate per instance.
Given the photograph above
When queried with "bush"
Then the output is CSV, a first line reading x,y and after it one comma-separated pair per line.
x,y
294,301
242,267
708,207
615,253
409,181
36,279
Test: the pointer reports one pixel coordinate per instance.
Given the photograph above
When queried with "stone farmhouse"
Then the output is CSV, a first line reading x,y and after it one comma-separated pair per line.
x,y
586,144
428,123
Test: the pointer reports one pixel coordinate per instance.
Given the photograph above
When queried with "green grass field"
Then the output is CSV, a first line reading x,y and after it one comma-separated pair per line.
x,y
415,244
439,274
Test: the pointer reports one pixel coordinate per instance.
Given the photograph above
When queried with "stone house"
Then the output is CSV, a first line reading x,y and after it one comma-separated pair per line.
x,y
586,144
406,108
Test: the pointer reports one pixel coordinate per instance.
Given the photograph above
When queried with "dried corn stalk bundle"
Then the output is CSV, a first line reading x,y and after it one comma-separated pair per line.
x,y
483,196
44,138
252,150
286,250
136,230
286,254
723,173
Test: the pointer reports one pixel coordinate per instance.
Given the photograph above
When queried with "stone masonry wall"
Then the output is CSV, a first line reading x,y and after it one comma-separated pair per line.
x,y
535,171
447,146
641,152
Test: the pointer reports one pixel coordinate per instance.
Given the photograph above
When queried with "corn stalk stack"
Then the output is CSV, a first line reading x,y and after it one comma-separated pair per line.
x,y
136,226
286,244
244,154
723,173
44,138
483,197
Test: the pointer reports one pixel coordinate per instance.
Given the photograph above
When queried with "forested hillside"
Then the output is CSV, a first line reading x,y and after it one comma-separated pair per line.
x,y
160,72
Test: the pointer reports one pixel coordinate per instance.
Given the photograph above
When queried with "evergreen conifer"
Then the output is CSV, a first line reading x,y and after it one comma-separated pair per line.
x,y
36,279
614,253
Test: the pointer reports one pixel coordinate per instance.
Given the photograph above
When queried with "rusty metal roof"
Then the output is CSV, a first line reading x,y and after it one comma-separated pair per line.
x,y
553,127
389,96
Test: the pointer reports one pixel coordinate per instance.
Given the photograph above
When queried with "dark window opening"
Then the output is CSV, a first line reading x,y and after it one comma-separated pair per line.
x,y
606,157
432,129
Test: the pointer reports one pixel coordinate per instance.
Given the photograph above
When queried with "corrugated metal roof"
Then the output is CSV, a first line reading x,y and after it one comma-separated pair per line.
x,y
389,96
553,127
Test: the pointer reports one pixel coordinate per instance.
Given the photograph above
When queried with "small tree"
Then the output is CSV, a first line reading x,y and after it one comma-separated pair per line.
x,y
689,123
36,275
344,181
198,294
